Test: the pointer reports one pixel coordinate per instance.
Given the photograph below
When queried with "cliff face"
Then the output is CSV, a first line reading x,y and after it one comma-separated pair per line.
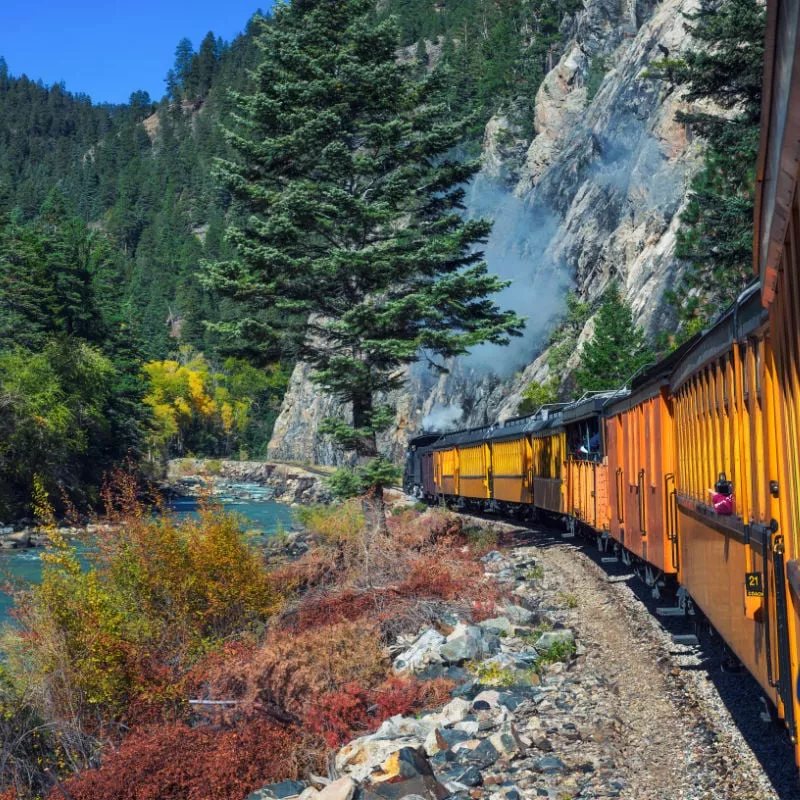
x,y
594,198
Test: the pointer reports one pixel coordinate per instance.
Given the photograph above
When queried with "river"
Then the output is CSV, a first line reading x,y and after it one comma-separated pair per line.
x,y
251,501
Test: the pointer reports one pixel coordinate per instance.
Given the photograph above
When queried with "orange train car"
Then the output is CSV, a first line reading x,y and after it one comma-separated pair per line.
x,y
776,250
723,426
587,463
639,466
641,471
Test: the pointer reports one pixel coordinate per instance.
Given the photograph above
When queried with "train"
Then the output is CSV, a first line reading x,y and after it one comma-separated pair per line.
x,y
691,471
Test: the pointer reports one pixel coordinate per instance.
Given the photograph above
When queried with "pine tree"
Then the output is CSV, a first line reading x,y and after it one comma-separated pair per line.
x,y
355,235
617,350
715,237
184,53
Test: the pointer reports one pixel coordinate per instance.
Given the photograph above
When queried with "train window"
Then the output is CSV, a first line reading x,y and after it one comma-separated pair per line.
x,y
585,440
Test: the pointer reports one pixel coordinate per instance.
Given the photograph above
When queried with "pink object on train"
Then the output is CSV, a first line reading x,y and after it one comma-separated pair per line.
x,y
723,503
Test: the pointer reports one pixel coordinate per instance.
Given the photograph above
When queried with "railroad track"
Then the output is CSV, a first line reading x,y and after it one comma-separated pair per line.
x,y
694,725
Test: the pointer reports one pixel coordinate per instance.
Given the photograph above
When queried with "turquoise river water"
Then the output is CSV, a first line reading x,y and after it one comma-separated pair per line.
x,y
251,502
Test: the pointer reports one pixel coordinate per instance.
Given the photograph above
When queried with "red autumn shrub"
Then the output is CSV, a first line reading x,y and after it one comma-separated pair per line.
x,y
176,762
339,716
290,668
409,696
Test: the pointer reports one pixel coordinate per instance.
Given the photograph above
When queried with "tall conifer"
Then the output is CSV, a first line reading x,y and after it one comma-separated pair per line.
x,y
617,350
354,235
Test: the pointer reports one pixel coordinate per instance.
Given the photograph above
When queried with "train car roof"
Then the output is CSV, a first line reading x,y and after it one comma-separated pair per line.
x,y
590,406
649,382
779,150
424,440
546,418
742,319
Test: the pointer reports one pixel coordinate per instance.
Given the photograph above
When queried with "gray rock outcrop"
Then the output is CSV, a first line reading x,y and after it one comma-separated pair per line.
x,y
598,189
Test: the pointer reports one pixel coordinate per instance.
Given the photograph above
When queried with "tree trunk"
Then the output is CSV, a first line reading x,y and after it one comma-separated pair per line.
x,y
374,507
372,503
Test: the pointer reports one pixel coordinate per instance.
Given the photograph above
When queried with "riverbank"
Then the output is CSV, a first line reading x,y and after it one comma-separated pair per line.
x,y
20,551
291,484
233,482
25,535
449,657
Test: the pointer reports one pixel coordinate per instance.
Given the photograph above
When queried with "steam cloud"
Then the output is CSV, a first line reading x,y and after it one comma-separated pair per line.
x,y
442,418
517,251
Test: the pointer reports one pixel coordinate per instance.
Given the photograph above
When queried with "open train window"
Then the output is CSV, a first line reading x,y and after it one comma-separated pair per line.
x,y
585,441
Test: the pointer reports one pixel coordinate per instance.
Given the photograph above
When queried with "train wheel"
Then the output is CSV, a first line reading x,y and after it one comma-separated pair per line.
x,y
769,713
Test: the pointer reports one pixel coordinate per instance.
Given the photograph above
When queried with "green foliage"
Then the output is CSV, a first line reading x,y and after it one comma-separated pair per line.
x,y
715,237
354,236
494,55
56,420
535,395
481,538
562,650
490,673
568,599
140,173
598,67
356,481
535,573
617,350
332,523
564,338
103,222
198,409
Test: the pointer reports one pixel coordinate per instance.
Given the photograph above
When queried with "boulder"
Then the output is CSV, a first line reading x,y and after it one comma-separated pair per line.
x,y
549,638
420,788
462,779
498,625
408,762
479,753
422,652
506,741
463,644
361,757
281,791
405,773
488,698
518,614
470,726
443,739
550,764
400,727
343,789
455,711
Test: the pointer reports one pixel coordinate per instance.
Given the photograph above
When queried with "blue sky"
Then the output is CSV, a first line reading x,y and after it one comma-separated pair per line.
x,y
109,49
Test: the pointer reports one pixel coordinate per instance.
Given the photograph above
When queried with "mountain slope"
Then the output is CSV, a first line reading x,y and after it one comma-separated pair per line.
x,y
598,197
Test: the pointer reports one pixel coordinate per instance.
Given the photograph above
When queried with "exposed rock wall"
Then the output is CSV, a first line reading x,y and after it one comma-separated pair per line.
x,y
613,172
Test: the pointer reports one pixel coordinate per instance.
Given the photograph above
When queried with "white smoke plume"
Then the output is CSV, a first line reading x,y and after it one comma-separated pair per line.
x,y
517,251
441,418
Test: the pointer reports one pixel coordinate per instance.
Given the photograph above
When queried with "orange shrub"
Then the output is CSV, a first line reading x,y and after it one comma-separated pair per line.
x,y
290,669
176,762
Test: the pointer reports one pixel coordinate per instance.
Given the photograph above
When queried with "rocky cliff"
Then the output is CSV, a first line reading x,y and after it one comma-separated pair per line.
x,y
595,196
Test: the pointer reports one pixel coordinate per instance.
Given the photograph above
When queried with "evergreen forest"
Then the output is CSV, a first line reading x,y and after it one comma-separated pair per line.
x,y
299,195
114,221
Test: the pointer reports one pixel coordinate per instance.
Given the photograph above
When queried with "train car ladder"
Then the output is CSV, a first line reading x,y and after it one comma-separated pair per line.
x,y
774,545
